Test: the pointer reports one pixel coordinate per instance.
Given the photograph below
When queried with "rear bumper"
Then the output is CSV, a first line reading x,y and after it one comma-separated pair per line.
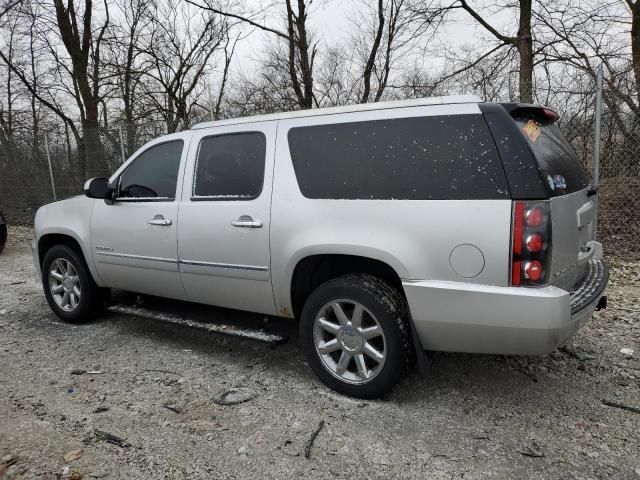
x,y
462,317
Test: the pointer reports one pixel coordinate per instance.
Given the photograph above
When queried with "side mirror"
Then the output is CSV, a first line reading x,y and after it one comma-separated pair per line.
x,y
98,188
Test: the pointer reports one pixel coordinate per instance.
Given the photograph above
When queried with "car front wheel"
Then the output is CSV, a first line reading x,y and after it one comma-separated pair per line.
x,y
68,286
355,335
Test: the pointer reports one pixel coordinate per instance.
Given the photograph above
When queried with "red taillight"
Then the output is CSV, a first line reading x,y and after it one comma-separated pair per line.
x,y
534,243
535,216
517,228
530,243
533,270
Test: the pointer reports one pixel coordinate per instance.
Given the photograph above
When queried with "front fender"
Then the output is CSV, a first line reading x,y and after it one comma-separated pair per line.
x,y
71,218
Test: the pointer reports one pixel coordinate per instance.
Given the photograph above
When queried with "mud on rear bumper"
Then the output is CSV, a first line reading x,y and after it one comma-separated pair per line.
x,y
461,317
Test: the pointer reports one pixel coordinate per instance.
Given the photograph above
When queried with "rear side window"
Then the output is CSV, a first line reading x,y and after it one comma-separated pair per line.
x,y
153,174
423,158
558,162
230,167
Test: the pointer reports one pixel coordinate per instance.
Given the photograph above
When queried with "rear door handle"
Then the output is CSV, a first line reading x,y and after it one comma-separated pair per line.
x,y
245,221
160,221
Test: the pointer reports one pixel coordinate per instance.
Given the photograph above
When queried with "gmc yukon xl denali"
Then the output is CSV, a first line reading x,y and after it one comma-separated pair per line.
x,y
386,229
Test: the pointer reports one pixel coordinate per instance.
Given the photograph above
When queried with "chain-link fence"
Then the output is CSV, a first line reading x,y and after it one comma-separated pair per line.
x,y
53,163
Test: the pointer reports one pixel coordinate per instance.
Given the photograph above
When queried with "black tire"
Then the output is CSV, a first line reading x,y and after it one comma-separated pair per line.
x,y
91,298
390,310
3,231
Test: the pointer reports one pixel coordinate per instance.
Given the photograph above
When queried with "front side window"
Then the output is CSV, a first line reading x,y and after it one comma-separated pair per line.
x,y
154,174
230,167
447,157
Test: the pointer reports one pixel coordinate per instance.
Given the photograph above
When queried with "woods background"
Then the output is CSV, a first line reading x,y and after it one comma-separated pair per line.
x,y
85,83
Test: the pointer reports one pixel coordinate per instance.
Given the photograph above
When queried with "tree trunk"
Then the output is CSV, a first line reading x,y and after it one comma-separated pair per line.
x,y
525,50
91,158
635,44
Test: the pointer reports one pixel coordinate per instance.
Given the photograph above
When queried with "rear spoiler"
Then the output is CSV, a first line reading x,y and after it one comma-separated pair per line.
x,y
540,113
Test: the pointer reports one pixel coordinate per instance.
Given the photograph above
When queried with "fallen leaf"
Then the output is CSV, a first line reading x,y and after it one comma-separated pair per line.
x,y
72,455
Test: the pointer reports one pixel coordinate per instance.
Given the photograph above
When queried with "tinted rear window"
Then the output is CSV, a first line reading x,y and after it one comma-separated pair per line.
x,y
424,158
558,162
230,167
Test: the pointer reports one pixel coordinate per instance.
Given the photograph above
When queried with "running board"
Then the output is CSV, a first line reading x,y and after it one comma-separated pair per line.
x,y
231,330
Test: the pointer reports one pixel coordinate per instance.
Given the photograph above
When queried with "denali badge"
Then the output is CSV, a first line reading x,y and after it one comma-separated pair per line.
x,y
104,249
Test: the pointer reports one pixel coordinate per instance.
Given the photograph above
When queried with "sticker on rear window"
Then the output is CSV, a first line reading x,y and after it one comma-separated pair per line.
x,y
559,181
552,184
532,130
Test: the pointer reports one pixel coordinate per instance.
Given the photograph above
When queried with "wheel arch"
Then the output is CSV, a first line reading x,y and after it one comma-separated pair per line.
x,y
315,268
48,240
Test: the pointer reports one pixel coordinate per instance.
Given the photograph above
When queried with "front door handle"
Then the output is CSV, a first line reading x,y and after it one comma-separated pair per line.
x,y
160,221
245,221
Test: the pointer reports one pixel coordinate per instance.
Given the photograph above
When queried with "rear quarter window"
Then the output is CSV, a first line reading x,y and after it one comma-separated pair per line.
x,y
422,158
559,165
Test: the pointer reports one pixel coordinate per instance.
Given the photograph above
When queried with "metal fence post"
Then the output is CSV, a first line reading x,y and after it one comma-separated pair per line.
x,y
124,158
596,144
53,184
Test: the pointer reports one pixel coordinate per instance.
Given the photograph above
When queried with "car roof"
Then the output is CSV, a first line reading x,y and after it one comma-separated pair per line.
x,y
361,107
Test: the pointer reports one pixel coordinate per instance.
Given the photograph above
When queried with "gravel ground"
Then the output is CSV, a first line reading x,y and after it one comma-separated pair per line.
x,y
162,388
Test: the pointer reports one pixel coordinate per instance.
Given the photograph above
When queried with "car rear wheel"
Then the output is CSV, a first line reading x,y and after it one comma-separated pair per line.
x,y
68,286
355,335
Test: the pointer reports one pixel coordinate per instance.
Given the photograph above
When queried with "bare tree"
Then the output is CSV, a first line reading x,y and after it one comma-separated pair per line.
x,y
7,5
126,60
634,9
83,47
522,41
396,31
301,49
229,49
179,52
6,104
579,42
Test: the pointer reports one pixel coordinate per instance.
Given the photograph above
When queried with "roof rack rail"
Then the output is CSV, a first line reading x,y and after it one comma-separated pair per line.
x,y
362,107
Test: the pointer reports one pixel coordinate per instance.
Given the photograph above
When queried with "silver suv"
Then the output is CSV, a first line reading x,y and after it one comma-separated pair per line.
x,y
386,229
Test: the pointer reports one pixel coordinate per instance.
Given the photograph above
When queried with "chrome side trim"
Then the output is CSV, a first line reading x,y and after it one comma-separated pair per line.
x,y
136,257
232,266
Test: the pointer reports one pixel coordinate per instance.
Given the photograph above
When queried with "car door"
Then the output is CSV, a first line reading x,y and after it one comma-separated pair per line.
x,y
134,237
223,239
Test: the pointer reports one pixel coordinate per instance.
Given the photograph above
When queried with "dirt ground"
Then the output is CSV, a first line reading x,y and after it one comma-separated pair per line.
x,y
159,388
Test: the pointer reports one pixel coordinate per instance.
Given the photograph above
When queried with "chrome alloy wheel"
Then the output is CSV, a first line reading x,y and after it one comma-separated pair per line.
x,y
64,284
349,341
